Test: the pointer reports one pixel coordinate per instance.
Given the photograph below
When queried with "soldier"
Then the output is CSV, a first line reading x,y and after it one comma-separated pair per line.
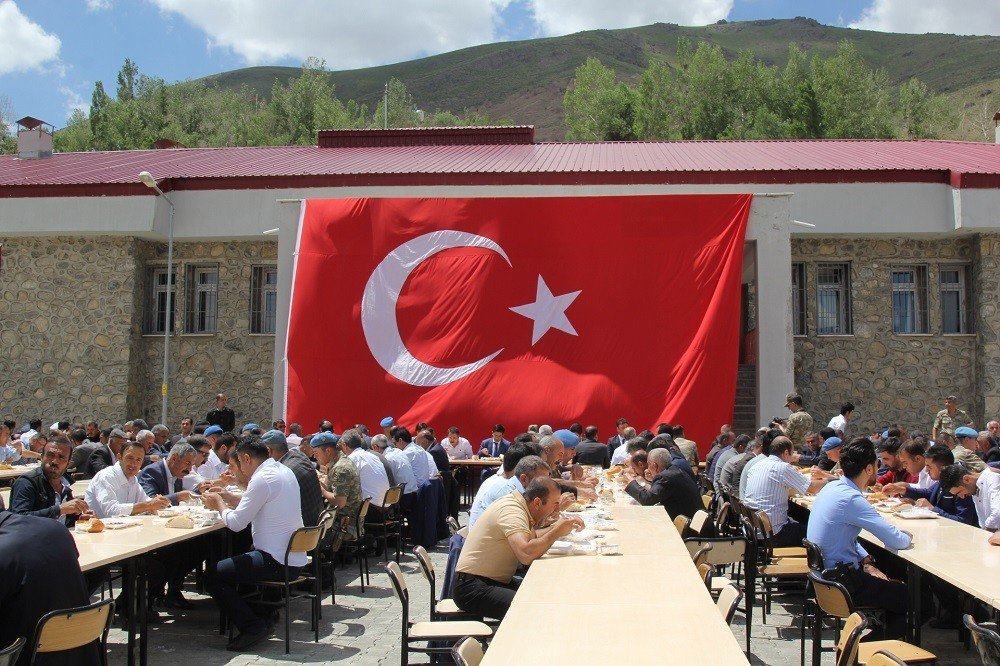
x,y
949,418
800,422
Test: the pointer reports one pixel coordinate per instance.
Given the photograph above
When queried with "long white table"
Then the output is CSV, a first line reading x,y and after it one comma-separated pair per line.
x,y
647,605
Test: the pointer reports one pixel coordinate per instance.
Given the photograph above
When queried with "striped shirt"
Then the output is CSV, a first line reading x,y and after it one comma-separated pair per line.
x,y
756,460
767,489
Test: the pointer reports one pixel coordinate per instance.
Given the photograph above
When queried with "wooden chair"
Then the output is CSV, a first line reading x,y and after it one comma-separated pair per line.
x,y
700,556
834,600
986,638
467,652
776,573
303,540
63,630
883,658
707,501
681,522
391,523
728,601
9,654
358,546
700,523
725,551
330,541
847,646
764,524
425,632
446,609
453,526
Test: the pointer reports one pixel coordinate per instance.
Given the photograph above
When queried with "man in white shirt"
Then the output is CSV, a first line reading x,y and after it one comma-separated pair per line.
x,y
270,505
374,481
983,487
457,448
839,422
217,462
402,470
115,490
294,437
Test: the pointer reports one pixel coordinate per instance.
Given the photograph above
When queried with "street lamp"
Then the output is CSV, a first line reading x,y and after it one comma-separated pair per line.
x,y
150,182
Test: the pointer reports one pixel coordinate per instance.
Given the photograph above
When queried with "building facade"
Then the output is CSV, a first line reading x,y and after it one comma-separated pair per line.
x,y
871,271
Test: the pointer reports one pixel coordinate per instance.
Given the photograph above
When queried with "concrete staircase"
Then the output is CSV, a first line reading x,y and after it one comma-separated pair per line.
x,y
745,407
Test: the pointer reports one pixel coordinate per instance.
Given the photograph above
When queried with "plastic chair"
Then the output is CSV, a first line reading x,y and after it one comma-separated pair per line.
x,y
467,652
63,630
986,638
425,632
9,654
446,609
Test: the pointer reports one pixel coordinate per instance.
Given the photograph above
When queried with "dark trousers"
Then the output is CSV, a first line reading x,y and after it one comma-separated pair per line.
x,y
483,596
873,592
790,535
222,581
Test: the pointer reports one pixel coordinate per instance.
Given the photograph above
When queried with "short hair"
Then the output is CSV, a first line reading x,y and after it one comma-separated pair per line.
x,y
181,450
352,439
296,429
226,439
140,424
913,448
846,407
129,444
253,446
894,432
533,428
92,423
524,438
890,445
402,433
940,454
515,453
142,434
422,426
665,429
661,457
742,440
856,455
678,431
544,430
635,444
549,442
576,428
827,433
628,430
640,456
362,428
10,423
768,438
160,429
499,428
381,441
779,445
529,465
187,418
453,430
590,432
952,475
945,437
60,440
35,424
540,488
197,442
106,432
325,426
622,421
79,435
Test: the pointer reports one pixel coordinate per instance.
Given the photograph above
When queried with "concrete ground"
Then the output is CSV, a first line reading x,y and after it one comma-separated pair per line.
x,y
364,629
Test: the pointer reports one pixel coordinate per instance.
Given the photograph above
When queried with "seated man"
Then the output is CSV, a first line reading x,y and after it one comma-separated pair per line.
x,y
592,452
166,476
830,454
768,483
402,470
528,468
620,453
987,448
507,534
105,455
983,488
892,468
374,480
638,463
270,505
495,445
115,490
962,446
44,492
457,448
810,454
485,494
687,447
311,498
838,515
341,485
911,457
667,484
82,448
217,462
941,502
729,466
740,465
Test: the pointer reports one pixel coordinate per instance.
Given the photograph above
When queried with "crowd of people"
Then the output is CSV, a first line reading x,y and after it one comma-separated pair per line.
x,y
267,482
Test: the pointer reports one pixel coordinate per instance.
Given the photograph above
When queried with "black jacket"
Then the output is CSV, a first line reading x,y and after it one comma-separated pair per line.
x,y
99,459
310,496
440,456
224,418
589,452
673,488
32,495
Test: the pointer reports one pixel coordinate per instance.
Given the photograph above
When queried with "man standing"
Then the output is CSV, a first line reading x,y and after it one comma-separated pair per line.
x,y
310,495
45,492
839,423
342,489
838,515
666,484
270,505
620,438
507,534
495,445
222,416
949,418
592,452
799,422
965,450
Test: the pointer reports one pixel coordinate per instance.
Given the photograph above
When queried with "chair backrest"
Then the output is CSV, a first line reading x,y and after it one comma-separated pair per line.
x,y
425,565
705,571
681,522
359,520
850,636
699,522
883,658
453,526
987,640
392,496
706,500
724,550
467,652
701,556
832,598
303,540
728,601
63,630
814,555
399,585
723,518
9,654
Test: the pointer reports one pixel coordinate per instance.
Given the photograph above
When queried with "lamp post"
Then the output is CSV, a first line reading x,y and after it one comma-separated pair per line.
x,y
150,182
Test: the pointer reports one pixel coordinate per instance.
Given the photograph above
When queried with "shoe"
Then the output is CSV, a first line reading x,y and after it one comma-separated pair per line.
x,y
245,641
945,622
177,601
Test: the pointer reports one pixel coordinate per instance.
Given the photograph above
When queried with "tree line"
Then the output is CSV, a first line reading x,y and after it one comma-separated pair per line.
x,y
703,95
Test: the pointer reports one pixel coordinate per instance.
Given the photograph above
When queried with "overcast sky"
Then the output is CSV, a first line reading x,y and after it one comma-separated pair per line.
x,y
54,50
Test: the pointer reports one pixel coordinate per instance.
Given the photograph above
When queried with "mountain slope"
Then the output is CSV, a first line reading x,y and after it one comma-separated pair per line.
x,y
525,80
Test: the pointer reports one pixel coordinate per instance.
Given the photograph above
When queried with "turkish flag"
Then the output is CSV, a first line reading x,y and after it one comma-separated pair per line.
x,y
474,311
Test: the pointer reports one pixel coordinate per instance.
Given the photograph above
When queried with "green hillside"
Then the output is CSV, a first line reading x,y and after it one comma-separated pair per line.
x,y
524,81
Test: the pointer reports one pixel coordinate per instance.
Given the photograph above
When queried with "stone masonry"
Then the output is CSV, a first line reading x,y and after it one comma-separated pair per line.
x,y
896,378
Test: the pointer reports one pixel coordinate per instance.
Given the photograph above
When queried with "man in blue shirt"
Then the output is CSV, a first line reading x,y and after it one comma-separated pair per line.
x,y
838,515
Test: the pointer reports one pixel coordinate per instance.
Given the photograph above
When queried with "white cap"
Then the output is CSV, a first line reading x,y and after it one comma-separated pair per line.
x,y
54,426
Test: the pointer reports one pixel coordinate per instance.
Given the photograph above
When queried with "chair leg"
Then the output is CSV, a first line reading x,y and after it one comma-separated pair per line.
x,y
361,566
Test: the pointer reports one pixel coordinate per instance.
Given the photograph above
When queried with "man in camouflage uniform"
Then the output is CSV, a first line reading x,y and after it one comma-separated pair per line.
x,y
949,418
342,488
800,423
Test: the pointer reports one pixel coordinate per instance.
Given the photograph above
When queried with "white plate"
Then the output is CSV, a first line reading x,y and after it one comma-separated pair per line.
x,y
917,513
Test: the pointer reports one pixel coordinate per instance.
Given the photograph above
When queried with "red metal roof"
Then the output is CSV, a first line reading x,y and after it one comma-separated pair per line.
x,y
961,164
427,136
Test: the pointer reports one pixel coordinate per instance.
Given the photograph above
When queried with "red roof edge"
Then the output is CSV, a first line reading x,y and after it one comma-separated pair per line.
x,y
427,136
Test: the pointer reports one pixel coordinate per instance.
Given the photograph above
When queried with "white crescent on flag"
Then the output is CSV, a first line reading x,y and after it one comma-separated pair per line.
x,y
378,308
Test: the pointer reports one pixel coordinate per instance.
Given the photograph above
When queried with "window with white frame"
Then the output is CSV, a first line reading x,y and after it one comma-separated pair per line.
x,y
202,287
955,303
909,299
156,319
833,299
798,298
263,299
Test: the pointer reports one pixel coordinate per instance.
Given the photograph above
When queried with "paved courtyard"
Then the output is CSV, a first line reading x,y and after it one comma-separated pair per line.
x,y
364,629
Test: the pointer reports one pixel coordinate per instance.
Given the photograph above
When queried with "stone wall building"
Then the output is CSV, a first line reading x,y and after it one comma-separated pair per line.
x,y
891,301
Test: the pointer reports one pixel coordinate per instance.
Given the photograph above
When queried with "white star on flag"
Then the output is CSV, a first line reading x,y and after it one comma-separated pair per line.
x,y
548,311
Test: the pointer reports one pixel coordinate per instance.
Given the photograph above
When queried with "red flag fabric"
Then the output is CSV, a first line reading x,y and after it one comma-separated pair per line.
x,y
474,311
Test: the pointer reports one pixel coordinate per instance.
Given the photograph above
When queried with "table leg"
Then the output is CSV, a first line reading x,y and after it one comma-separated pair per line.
x,y
142,586
914,584
129,595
